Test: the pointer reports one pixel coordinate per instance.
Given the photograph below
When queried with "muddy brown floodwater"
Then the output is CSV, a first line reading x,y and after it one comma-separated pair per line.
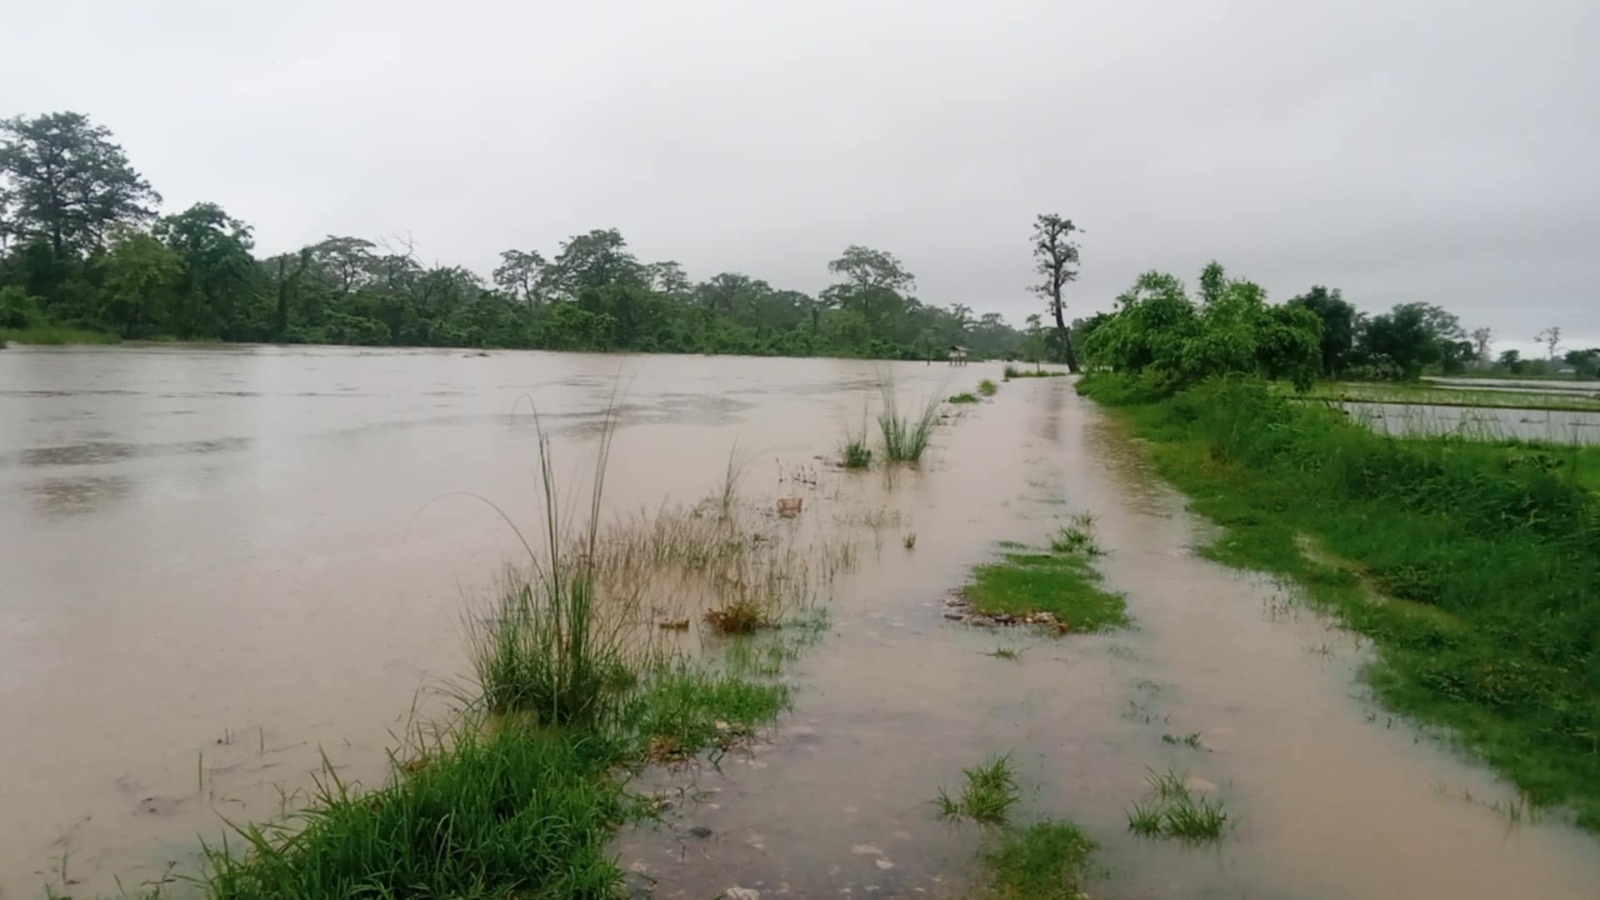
x,y
220,562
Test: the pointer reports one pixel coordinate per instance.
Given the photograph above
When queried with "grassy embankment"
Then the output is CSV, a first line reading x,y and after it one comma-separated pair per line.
x,y
1059,582
1471,566
1426,395
579,681
55,335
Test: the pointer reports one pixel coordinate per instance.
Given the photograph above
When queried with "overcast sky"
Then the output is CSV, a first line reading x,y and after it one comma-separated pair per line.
x,y
1398,149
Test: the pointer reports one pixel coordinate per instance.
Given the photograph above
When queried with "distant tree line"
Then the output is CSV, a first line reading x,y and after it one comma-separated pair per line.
x,y
82,244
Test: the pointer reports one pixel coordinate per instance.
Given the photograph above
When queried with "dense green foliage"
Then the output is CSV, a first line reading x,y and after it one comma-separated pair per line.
x,y
81,245
1159,330
1048,860
1489,555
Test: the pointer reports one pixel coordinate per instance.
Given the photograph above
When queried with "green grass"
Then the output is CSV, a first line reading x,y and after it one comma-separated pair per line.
x,y
55,335
905,437
1066,586
1471,566
1077,536
1429,395
1048,860
988,388
1171,810
1192,740
963,398
987,796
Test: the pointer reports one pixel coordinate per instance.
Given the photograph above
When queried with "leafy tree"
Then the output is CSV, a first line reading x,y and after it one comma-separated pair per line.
x,y
1158,331
1402,341
142,277
218,271
518,275
591,260
1511,361
1584,363
1340,322
874,282
64,181
1056,258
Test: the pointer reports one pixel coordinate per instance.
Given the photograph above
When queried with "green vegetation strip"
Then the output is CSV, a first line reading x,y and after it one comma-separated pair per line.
x,y
1062,584
1490,554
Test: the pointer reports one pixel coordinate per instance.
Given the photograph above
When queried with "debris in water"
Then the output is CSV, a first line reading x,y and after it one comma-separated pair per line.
x,y
789,507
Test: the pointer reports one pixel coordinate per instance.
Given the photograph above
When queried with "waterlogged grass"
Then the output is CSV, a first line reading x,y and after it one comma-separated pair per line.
x,y
1427,395
511,810
988,388
519,796
1077,536
55,335
987,796
1172,810
963,398
1471,566
1066,586
1048,860
905,436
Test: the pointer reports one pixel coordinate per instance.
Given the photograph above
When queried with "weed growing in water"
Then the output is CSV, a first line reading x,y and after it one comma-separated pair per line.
x,y
742,616
1038,372
964,398
1077,536
988,388
1192,741
911,540
1173,810
1048,860
905,438
987,797
856,454
1006,653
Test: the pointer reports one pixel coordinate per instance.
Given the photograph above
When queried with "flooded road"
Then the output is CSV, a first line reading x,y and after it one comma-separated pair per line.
x,y
219,561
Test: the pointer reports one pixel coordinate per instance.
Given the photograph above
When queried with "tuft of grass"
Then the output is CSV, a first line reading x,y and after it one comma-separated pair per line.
x,y
1077,536
987,797
1006,653
856,454
741,616
1470,565
1048,860
1172,810
911,540
686,709
905,438
964,398
988,388
1192,740
1067,587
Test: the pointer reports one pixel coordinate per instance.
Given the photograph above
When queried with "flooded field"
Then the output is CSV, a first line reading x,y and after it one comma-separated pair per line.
x,y
1479,423
223,562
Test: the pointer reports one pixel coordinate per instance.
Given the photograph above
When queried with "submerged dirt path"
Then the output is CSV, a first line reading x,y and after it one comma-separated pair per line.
x,y
1335,798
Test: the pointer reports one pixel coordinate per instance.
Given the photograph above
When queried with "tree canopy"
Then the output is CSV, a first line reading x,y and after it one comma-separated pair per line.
x,y
82,244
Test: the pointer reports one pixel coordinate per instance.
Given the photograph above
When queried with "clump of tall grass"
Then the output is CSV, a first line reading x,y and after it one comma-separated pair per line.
x,y
987,796
1077,536
988,388
959,399
550,649
490,812
905,437
1173,810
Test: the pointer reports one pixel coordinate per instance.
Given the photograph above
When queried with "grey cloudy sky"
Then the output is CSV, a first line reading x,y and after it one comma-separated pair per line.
x,y
1435,151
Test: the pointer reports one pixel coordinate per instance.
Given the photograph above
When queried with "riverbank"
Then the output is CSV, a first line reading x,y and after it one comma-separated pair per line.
x,y
1469,566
